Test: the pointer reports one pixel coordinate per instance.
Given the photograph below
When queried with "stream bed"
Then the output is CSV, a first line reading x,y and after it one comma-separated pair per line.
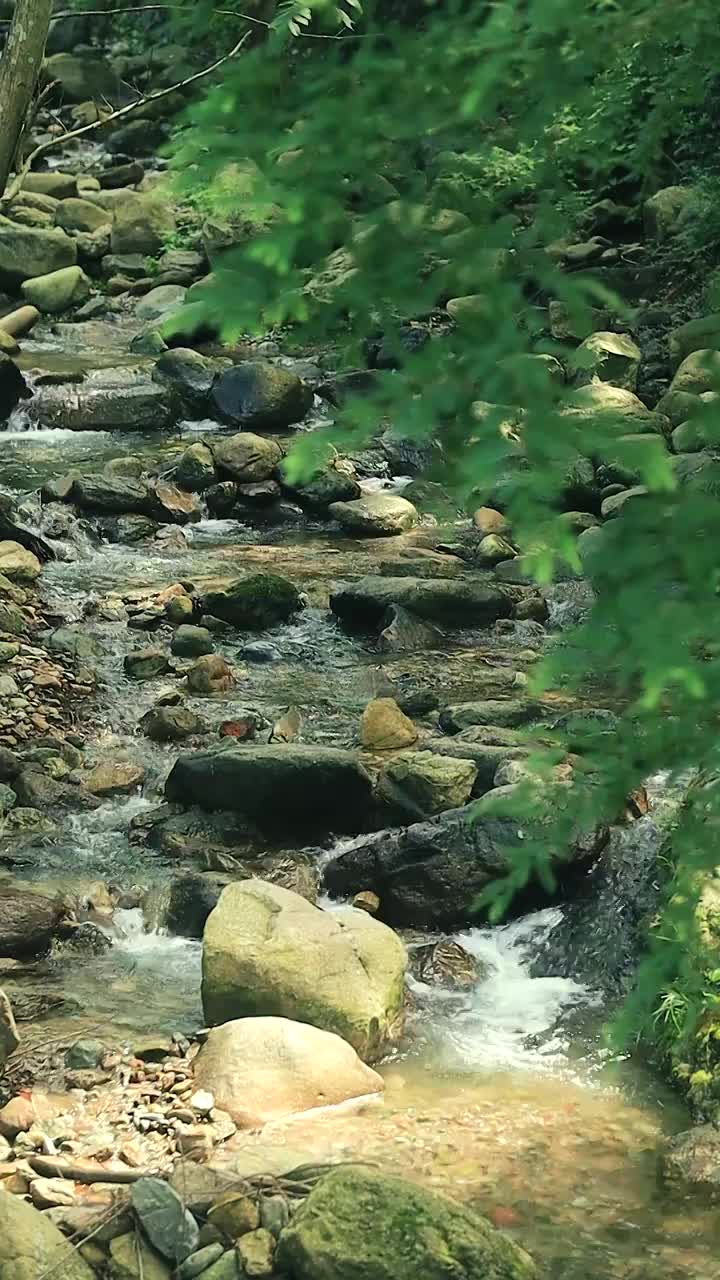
x,y
504,1095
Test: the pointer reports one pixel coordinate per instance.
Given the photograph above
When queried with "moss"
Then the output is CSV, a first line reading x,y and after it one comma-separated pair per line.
x,y
358,1224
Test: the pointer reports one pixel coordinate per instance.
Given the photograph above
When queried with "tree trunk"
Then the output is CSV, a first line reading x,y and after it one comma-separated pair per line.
x,y
19,72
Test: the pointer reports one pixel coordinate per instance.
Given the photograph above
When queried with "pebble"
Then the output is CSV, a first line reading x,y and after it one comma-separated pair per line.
x,y
202,1101
51,1193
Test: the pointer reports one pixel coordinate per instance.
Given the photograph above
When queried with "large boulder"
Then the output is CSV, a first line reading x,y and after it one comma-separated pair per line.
x,y
142,223
196,469
263,1069
107,399
57,291
282,787
13,386
612,407
110,494
28,922
610,357
702,334
266,950
376,515
418,784
261,396
17,563
361,1224
256,602
699,372
84,78
317,491
247,457
452,601
160,302
26,252
32,1247
691,1161
665,212
430,874
80,215
188,373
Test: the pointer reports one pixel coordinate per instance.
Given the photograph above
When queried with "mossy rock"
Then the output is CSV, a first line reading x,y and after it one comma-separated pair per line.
x,y
358,1224
253,603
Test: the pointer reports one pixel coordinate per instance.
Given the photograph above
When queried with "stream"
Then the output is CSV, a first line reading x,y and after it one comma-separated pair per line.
x,y
505,1094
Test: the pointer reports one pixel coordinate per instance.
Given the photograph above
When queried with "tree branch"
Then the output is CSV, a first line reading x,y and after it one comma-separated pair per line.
x,y
121,112
226,13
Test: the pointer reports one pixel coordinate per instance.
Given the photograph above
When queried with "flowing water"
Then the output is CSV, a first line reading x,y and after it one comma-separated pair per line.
x,y
505,1094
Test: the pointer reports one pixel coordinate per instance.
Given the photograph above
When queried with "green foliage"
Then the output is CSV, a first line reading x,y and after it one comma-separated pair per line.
x,y
397,165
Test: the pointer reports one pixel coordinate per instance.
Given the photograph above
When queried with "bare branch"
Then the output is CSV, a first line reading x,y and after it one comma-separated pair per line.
x,y
226,13
120,114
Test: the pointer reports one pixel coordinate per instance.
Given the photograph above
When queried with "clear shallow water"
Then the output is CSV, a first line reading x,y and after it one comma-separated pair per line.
x,y
505,1095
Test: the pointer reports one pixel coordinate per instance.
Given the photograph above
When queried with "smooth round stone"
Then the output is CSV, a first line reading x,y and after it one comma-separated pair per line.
x,y
261,651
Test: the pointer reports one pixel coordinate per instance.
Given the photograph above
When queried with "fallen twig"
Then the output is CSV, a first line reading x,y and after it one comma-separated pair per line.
x,y
49,1168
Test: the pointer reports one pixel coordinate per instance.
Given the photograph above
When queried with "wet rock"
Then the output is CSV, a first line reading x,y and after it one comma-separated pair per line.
x,y
57,291
384,727
180,609
115,778
210,674
142,223
17,564
132,1259
267,949
146,664
196,469
377,515
445,963
254,603
84,1055
75,641
192,898
328,1236
191,642
168,1225
431,873
505,713
260,652
33,1247
120,398
318,492
28,922
27,252
171,724
262,1069
448,601
691,1161
189,374
418,784
13,386
603,930
168,503
247,457
256,1251
7,799
279,787
261,396
36,790
109,493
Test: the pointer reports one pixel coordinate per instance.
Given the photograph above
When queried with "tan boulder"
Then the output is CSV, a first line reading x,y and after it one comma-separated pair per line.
x,y
17,563
384,727
266,950
488,520
262,1069
114,777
